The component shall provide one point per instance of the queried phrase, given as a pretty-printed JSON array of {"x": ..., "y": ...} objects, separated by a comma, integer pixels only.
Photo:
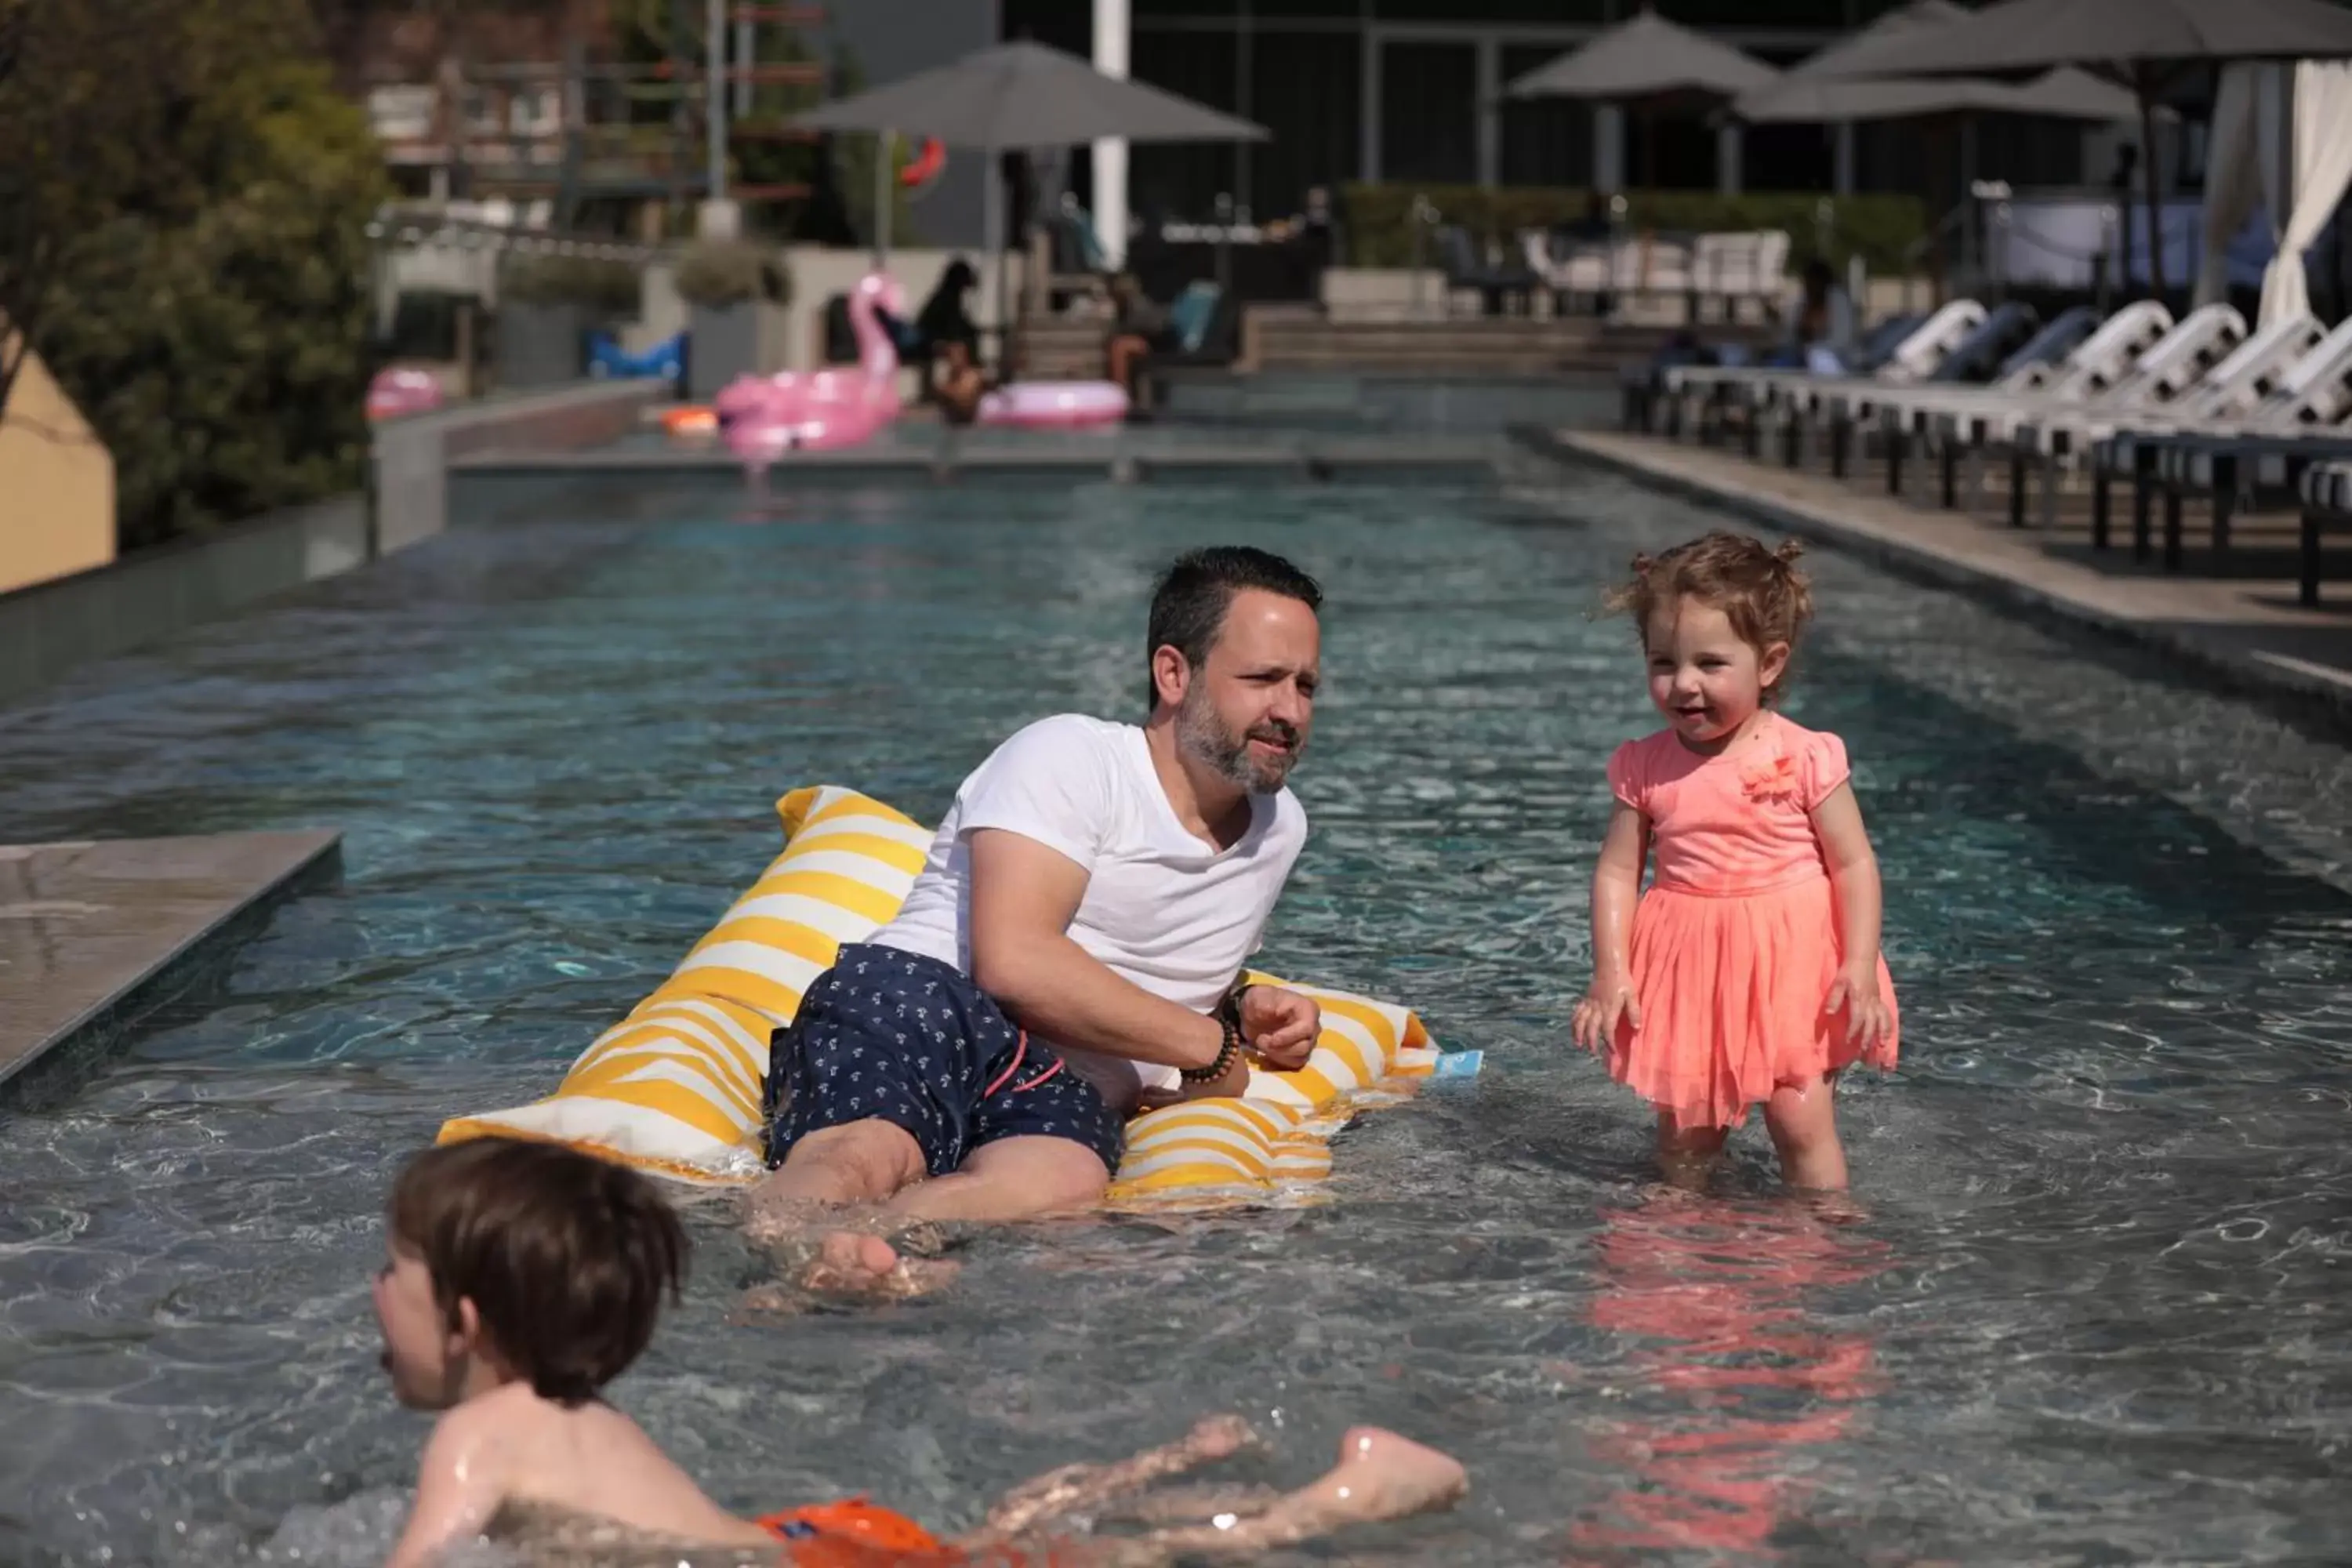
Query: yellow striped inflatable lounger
[{"x": 674, "y": 1088}]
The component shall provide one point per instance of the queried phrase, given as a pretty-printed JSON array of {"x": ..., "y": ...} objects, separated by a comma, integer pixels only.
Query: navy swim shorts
[{"x": 894, "y": 1035}]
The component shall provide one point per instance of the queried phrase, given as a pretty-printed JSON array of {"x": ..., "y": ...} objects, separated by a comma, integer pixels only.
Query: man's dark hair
[
  {"x": 566, "y": 1257},
  {"x": 1187, "y": 607}
]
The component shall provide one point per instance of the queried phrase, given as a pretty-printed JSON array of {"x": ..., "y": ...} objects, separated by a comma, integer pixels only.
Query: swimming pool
[{"x": 2097, "y": 1311}]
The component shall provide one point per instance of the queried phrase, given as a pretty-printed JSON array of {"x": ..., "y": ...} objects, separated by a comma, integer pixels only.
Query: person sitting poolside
[
  {"x": 1821, "y": 325},
  {"x": 957, "y": 384},
  {"x": 1141, "y": 327},
  {"x": 522, "y": 1278},
  {"x": 942, "y": 320}
]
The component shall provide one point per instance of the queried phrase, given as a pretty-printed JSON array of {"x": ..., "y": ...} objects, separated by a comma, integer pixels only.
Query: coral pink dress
[{"x": 1736, "y": 942}]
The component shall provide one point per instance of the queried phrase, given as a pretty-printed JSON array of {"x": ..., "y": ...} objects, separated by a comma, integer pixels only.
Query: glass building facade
[{"x": 1409, "y": 92}]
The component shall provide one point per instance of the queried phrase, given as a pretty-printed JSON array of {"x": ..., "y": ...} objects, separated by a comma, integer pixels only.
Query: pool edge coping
[
  {"x": 2313, "y": 696},
  {"x": 312, "y": 858}
]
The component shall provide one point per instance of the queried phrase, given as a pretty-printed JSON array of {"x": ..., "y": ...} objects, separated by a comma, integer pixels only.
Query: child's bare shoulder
[{"x": 491, "y": 1433}]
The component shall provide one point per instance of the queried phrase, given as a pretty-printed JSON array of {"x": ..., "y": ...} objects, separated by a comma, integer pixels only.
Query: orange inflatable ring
[
  {"x": 862, "y": 1527},
  {"x": 690, "y": 420}
]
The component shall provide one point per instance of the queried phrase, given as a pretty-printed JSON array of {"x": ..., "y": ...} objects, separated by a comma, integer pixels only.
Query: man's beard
[{"x": 1204, "y": 738}]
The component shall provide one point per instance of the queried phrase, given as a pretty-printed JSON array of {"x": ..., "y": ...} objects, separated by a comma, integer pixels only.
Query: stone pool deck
[
  {"x": 2248, "y": 631},
  {"x": 93, "y": 933}
]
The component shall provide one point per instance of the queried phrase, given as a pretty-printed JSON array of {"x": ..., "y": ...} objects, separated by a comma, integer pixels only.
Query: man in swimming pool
[{"x": 1071, "y": 949}]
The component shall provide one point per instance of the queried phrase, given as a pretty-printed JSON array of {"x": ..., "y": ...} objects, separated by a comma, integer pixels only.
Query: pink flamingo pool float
[{"x": 765, "y": 418}]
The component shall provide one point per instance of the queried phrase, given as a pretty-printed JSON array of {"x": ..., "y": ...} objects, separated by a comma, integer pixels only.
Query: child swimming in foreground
[
  {"x": 520, "y": 1279},
  {"x": 1750, "y": 970}
]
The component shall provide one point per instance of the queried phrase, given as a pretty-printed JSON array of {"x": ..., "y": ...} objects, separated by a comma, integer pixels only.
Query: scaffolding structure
[{"x": 569, "y": 126}]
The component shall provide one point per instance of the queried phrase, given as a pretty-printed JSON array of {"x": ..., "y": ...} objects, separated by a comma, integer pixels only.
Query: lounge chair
[
  {"x": 1976, "y": 356},
  {"x": 1912, "y": 359},
  {"x": 1798, "y": 396},
  {"x": 1584, "y": 272},
  {"x": 2305, "y": 419},
  {"x": 1464, "y": 269},
  {"x": 1949, "y": 420},
  {"x": 1730, "y": 269},
  {"x": 2326, "y": 496},
  {"x": 2049, "y": 430}
]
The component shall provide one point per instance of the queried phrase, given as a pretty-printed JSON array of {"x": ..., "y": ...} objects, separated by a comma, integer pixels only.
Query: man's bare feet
[
  {"x": 841, "y": 1264},
  {"x": 851, "y": 1262}
]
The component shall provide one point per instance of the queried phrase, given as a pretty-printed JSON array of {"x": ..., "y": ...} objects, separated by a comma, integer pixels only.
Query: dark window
[
  {"x": 1539, "y": 13},
  {"x": 1668, "y": 149},
  {"x": 1183, "y": 179},
  {"x": 1307, "y": 89},
  {"x": 1547, "y": 141},
  {"x": 1750, "y": 14},
  {"x": 2029, "y": 152},
  {"x": 1429, "y": 113},
  {"x": 1068, "y": 24}
]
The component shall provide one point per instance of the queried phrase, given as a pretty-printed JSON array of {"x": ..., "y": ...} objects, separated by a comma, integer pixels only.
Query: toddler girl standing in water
[{"x": 1750, "y": 970}]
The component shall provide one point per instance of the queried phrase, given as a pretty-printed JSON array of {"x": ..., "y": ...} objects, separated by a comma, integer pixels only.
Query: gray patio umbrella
[
  {"x": 2143, "y": 44},
  {"x": 2063, "y": 94},
  {"x": 1646, "y": 60},
  {"x": 1022, "y": 96},
  {"x": 2071, "y": 93},
  {"x": 1025, "y": 94},
  {"x": 1800, "y": 100},
  {"x": 1902, "y": 19},
  {"x": 1646, "y": 56},
  {"x": 1942, "y": 102}
]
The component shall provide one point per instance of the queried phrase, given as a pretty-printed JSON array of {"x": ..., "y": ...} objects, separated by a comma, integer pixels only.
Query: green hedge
[
  {"x": 1878, "y": 229},
  {"x": 605, "y": 287},
  {"x": 716, "y": 274}
]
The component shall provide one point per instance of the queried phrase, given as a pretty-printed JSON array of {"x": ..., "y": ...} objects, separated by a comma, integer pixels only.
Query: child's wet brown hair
[{"x": 566, "y": 1257}]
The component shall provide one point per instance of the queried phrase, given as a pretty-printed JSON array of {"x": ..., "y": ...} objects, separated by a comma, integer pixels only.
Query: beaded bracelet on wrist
[{"x": 1226, "y": 1053}]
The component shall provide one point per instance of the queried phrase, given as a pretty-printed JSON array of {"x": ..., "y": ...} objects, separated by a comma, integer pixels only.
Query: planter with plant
[
  {"x": 547, "y": 307},
  {"x": 735, "y": 293}
]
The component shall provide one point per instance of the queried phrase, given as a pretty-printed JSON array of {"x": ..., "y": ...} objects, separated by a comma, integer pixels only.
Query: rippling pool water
[{"x": 2097, "y": 1311}]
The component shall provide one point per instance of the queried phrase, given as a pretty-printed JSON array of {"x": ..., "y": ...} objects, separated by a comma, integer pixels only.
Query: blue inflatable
[{"x": 665, "y": 360}]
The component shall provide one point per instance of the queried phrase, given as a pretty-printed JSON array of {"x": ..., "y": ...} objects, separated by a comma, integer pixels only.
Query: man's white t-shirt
[{"x": 1162, "y": 909}]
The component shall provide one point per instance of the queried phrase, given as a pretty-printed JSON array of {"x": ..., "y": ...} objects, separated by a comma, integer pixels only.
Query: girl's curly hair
[{"x": 1759, "y": 590}]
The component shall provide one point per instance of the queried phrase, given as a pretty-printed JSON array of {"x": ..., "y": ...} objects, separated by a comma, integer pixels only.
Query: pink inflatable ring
[{"x": 1055, "y": 405}]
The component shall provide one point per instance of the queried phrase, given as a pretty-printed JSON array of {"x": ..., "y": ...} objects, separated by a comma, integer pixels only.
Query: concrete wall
[
  {"x": 661, "y": 313},
  {"x": 412, "y": 456},
  {"x": 48, "y": 629},
  {"x": 56, "y": 484},
  {"x": 1382, "y": 294}
]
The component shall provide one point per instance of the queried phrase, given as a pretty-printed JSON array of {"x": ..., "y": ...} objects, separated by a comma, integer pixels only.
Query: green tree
[{"x": 199, "y": 281}]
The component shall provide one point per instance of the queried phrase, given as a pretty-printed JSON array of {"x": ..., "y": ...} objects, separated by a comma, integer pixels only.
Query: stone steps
[
  {"x": 1058, "y": 350},
  {"x": 1280, "y": 337},
  {"x": 1297, "y": 340}
]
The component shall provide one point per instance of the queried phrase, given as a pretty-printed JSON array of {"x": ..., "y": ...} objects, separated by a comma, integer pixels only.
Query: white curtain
[
  {"x": 2232, "y": 181},
  {"x": 2320, "y": 152}
]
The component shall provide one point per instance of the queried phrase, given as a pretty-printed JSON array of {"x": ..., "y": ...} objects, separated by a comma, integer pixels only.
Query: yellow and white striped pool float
[{"x": 674, "y": 1088}]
